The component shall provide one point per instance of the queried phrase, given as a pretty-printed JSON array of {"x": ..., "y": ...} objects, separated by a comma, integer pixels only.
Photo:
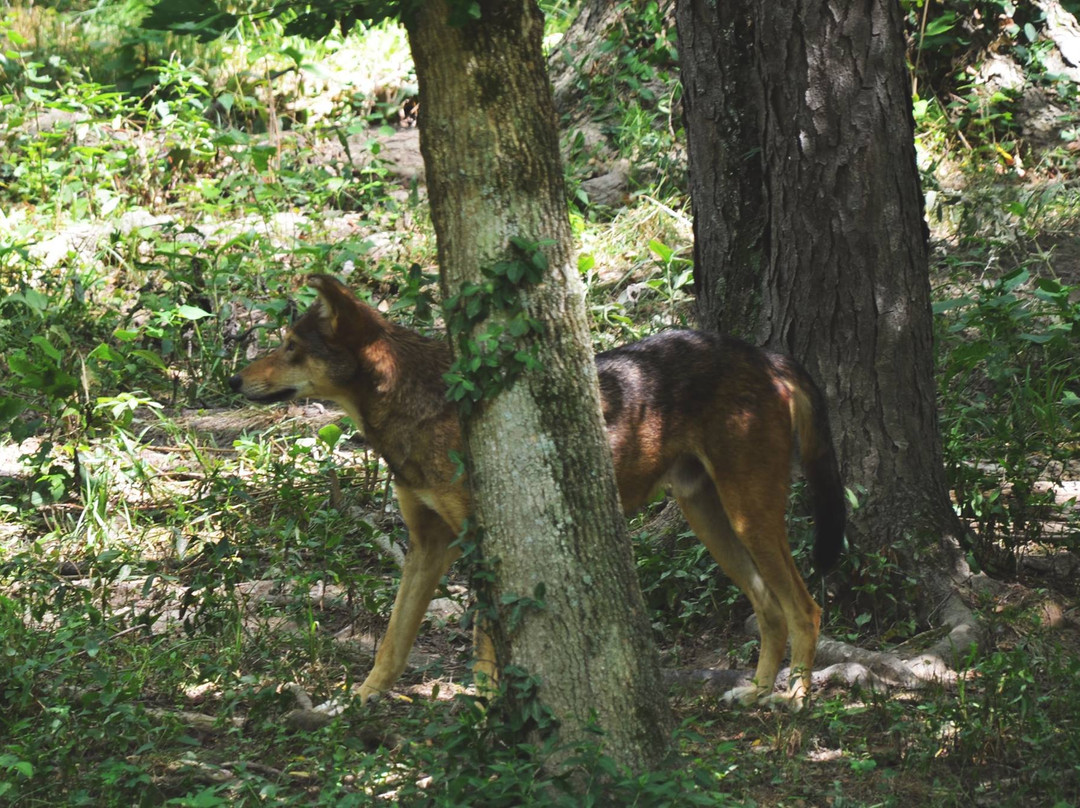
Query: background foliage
[{"x": 169, "y": 564}]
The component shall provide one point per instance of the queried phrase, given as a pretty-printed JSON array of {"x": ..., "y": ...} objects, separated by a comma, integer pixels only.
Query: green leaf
[
  {"x": 230, "y": 137},
  {"x": 474, "y": 307},
  {"x": 330, "y": 435},
  {"x": 1018, "y": 277},
  {"x": 662, "y": 251},
  {"x": 104, "y": 353},
  {"x": 539, "y": 260},
  {"x": 519, "y": 326},
  {"x": 201, "y": 18},
  {"x": 941, "y": 25},
  {"x": 34, "y": 299},
  {"x": 20, "y": 365},
  {"x": 60, "y": 385},
  {"x": 151, "y": 358},
  {"x": 10, "y": 408},
  {"x": 191, "y": 312},
  {"x": 260, "y": 156},
  {"x": 46, "y": 347},
  {"x": 1049, "y": 285},
  {"x": 942, "y": 306},
  {"x": 683, "y": 278}
]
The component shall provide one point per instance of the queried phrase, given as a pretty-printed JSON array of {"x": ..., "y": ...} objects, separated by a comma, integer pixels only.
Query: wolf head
[{"x": 336, "y": 346}]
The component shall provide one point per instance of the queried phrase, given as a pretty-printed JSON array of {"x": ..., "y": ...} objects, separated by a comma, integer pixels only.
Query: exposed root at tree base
[{"x": 931, "y": 658}]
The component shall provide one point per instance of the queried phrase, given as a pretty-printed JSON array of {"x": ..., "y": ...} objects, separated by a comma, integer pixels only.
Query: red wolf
[{"x": 710, "y": 418}]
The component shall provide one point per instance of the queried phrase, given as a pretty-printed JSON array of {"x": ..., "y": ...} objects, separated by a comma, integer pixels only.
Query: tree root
[
  {"x": 179, "y": 775},
  {"x": 372, "y": 725},
  {"x": 308, "y": 717},
  {"x": 931, "y": 658},
  {"x": 934, "y": 656},
  {"x": 1064, "y": 32}
]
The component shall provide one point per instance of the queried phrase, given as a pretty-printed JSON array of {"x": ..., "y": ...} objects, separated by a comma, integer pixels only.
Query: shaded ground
[{"x": 304, "y": 546}]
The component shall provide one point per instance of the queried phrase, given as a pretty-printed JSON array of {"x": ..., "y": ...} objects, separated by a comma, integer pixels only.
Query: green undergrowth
[
  {"x": 165, "y": 553},
  {"x": 103, "y": 732},
  {"x": 1010, "y": 386}
]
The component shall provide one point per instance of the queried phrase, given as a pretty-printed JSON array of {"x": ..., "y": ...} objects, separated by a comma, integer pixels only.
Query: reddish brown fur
[{"x": 710, "y": 418}]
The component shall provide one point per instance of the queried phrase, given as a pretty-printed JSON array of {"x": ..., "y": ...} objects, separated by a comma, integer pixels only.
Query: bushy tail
[{"x": 821, "y": 468}]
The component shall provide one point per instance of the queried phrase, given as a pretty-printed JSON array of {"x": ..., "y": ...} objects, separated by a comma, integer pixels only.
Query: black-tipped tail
[
  {"x": 822, "y": 473},
  {"x": 830, "y": 515}
]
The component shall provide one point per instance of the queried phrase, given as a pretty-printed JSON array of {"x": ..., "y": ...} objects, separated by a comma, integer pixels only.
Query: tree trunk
[
  {"x": 576, "y": 56},
  {"x": 585, "y": 53},
  {"x": 809, "y": 232},
  {"x": 546, "y": 505},
  {"x": 724, "y": 108}
]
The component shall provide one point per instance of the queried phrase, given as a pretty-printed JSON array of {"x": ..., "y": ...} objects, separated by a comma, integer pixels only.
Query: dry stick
[
  {"x": 157, "y": 447},
  {"x": 201, "y": 722},
  {"x": 263, "y": 769},
  {"x": 918, "y": 50}
]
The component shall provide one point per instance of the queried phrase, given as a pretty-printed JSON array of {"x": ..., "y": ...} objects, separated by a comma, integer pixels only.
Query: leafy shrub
[{"x": 1010, "y": 384}]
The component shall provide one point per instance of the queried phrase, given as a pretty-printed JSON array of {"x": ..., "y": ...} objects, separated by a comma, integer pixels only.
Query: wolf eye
[{"x": 290, "y": 346}]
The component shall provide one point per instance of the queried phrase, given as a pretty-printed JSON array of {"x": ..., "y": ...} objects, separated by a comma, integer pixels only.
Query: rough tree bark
[
  {"x": 809, "y": 238},
  {"x": 581, "y": 53},
  {"x": 541, "y": 470}
]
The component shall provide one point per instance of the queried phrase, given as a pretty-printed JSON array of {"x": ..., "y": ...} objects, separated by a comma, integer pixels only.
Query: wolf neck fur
[{"x": 381, "y": 393}]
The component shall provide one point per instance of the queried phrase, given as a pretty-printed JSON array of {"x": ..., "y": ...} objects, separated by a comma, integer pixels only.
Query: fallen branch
[
  {"x": 721, "y": 680},
  {"x": 308, "y": 717},
  {"x": 388, "y": 546},
  {"x": 1062, "y": 29},
  {"x": 198, "y": 722}
]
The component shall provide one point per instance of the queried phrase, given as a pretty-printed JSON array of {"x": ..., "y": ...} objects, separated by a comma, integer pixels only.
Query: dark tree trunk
[
  {"x": 809, "y": 232},
  {"x": 541, "y": 469},
  {"x": 724, "y": 108}
]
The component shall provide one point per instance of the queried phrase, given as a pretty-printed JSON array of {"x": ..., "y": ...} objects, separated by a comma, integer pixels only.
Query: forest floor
[{"x": 178, "y": 569}]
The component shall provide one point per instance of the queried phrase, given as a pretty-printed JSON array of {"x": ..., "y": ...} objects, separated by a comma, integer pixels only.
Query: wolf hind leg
[
  {"x": 705, "y": 513},
  {"x": 755, "y": 510}
]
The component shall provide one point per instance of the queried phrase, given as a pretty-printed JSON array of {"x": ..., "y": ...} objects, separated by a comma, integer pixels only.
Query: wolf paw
[
  {"x": 366, "y": 693},
  {"x": 793, "y": 700},
  {"x": 749, "y": 696},
  {"x": 744, "y": 696}
]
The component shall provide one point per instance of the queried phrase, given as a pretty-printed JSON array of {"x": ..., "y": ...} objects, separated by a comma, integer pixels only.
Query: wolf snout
[{"x": 235, "y": 383}]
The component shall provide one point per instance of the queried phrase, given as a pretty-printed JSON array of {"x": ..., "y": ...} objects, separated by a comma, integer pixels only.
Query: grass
[{"x": 169, "y": 563}]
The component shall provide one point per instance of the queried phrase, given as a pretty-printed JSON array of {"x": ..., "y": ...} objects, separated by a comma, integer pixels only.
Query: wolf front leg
[{"x": 429, "y": 557}]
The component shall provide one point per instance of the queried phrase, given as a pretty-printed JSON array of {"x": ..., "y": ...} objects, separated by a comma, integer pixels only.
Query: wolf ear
[{"x": 342, "y": 312}]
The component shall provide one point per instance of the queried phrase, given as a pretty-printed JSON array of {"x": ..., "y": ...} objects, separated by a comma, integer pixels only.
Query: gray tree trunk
[
  {"x": 581, "y": 51},
  {"x": 809, "y": 232},
  {"x": 541, "y": 469}
]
